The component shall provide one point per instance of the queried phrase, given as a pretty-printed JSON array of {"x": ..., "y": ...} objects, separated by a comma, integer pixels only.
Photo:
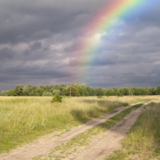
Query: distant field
[{"x": 23, "y": 119}]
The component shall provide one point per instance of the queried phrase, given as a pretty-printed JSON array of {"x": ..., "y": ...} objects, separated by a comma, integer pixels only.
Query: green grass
[
  {"x": 23, "y": 119},
  {"x": 85, "y": 138},
  {"x": 143, "y": 140}
]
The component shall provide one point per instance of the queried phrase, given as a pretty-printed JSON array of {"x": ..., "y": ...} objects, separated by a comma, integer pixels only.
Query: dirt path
[
  {"x": 111, "y": 141},
  {"x": 44, "y": 145}
]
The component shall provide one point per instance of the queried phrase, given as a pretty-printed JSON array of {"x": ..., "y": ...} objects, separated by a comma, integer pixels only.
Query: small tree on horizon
[{"x": 57, "y": 98}]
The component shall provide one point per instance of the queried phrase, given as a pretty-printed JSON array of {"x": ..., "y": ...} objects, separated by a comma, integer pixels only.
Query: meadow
[{"x": 23, "y": 119}]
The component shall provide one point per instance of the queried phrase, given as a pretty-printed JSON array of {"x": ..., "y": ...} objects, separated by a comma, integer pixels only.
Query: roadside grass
[
  {"x": 143, "y": 140},
  {"x": 23, "y": 119},
  {"x": 85, "y": 138}
]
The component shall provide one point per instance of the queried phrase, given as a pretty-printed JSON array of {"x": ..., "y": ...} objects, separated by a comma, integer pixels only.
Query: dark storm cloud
[
  {"x": 126, "y": 76},
  {"x": 28, "y": 20},
  {"x": 39, "y": 43},
  {"x": 6, "y": 54},
  {"x": 38, "y": 72},
  {"x": 36, "y": 45}
]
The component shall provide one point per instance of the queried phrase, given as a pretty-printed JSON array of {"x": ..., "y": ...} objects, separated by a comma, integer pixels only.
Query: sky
[{"x": 40, "y": 45}]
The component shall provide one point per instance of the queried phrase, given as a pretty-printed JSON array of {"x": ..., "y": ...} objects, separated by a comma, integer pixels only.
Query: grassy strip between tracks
[
  {"x": 85, "y": 138},
  {"x": 143, "y": 140}
]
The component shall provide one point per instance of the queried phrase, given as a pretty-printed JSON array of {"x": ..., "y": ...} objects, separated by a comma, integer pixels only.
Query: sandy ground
[
  {"x": 96, "y": 151},
  {"x": 111, "y": 141}
]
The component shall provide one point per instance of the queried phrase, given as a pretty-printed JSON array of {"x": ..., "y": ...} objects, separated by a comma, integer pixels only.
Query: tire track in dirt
[
  {"x": 43, "y": 146},
  {"x": 112, "y": 140}
]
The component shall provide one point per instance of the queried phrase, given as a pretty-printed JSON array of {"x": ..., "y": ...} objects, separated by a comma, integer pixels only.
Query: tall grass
[
  {"x": 23, "y": 119},
  {"x": 143, "y": 140}
]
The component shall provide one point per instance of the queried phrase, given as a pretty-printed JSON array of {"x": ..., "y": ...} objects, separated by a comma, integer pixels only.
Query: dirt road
[
  {"x": 112, "y": 140},
  {"x": 45, "y": 144}
]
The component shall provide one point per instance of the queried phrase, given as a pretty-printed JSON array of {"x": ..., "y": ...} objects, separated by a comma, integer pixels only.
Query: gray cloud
[
  {"x": 39, "y": 45},
  {"x": 6, "y": 54}
]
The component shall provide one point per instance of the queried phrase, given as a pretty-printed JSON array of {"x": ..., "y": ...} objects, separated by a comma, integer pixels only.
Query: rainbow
[{"x": 101, "y": 24}]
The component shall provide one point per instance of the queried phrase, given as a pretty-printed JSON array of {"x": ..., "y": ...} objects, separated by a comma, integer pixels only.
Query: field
[{"x": 24, "y": 119}]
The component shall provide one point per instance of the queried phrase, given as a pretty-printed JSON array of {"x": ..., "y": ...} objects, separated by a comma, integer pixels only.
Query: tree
[
  {"x": 57, "y": 98},
  {"x": 99, "y": 91},
  {"x": 152, "y": 91},
  {"x": 125, "y": 91},
  {"x": 71, "y": 90},
  {"x": 3, "y": 93},
  {"x": 110, "y": 92},
  {"x": 47, "y": 94},
  {"x": 18, "y": 91},
  {"x": 55, "y": 91},
  {"x": 84, "y": 91},
  {"x": 158, "y": 90}
]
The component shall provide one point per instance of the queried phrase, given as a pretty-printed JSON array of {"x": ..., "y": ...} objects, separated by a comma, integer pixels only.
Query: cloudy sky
[{"x": 40, "y": 44}]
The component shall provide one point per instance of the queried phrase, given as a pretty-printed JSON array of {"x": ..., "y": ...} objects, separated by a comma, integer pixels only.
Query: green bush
[
  {"x": 57, "y": 98},
  {"x": 99, "y": 96}
]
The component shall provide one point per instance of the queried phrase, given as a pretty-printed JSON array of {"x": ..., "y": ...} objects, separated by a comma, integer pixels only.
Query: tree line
[{"x": 77, "y": 90}]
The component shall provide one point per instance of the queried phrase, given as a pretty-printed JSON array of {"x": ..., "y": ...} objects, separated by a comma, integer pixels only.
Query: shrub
[
  {"x": 99, "y": 96},
  {"x": 57, "y": 98}
]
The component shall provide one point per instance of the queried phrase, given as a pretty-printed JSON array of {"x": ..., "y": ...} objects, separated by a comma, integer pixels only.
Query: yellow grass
[{"x": 23, "y": 119}]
